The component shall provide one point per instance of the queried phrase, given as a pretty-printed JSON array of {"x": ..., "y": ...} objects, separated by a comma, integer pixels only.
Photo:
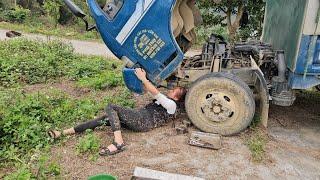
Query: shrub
[
  {"x": 52, "y": 9},
  {"x": 18, "y": 14}
]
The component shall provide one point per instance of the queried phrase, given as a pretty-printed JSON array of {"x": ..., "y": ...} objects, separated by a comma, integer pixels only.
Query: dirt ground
[{"x": 293, "y": 150}]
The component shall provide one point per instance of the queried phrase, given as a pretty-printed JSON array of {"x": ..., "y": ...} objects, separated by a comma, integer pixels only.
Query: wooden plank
[{"x": 148, "y": 174}]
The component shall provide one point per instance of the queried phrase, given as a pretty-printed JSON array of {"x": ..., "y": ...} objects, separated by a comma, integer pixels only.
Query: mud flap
[{"x": 264, "y": 97}]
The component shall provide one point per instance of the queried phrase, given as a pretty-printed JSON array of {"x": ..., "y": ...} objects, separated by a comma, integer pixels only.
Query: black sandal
[
  {"x": 53, "y": 135},
  {"x": 107, "y": 152}
]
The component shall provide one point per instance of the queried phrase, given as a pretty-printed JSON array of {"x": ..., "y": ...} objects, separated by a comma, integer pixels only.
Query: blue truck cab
[{"x": 139, "y": 32}]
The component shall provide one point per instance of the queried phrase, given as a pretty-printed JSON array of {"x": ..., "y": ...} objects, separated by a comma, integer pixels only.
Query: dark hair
[{"x": 181, "y": 94}]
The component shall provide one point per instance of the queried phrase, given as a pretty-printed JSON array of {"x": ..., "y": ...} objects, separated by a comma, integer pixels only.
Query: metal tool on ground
[
  {"x": 206, "y": 140},
  {"x": 182, "y": 130}
]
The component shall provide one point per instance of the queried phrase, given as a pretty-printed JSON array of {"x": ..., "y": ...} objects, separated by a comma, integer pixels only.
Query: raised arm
[
  {"x": 142, "y": 75},
  {"x": 165, "y": 102}
]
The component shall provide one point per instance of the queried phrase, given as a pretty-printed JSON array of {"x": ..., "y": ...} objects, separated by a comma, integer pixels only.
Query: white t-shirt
[{"x": 167, "y": 103}]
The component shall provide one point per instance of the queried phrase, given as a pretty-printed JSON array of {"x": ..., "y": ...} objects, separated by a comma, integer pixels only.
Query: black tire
[
  {"x": 318, "y": 87},
  {"x": 220, "y": 103}
]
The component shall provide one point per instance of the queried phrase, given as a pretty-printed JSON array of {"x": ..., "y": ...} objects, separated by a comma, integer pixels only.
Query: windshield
[{"x": 112, "y": 7}]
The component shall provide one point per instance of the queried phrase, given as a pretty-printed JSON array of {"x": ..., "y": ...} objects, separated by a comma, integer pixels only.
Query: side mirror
[
  {"x": 79, "y": 13},
  {"x": 74, "y": 9}
]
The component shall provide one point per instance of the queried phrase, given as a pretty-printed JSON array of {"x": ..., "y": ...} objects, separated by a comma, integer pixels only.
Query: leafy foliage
[
  {"x": 24, "y": 61},
  {"x": 32, "y": 62},
  {"x": 89, "y": 144},
  {"x": 203, "y": 32},
  {"x": 107, "y": 79},
  {"x": 18, "y": 14},
  {"x": 25, "y": 119},
  {"x": 21, "y": 174},
  {"x": 52, "y": 9},
  {"x": 231, "y": 14}
]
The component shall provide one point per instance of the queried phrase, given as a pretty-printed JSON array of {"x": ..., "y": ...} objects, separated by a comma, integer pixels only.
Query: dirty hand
[{"x": 141, "y": 74}]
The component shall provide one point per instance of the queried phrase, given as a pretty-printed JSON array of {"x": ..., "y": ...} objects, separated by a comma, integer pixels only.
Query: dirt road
[{"x": 81, "y": 47}]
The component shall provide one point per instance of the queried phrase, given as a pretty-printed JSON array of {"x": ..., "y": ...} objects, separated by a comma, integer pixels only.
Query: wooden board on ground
[{"x": 148, "y": 174}]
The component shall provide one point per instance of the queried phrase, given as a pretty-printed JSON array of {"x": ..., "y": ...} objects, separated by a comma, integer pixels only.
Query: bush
[
  {"x": 22, "y": 173},
  {"x": 52, "y": 9},
  {"x": 89, "y": 66},
  {"x": 18, "y": 14}
]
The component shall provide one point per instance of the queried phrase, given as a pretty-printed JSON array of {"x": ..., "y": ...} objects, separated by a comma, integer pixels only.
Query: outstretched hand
[{"x": 141, "y": 74}]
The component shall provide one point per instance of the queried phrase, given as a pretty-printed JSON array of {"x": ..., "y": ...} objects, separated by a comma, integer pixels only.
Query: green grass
[
  {"x": 69, "y": 32},
  {"x": 256, "y": 140},
  {"x": 26, "y": 117},
  {"x": 24, "y": 61},
  {"x": 257, "y": 144},
  {"x": 89, "y": 144}
]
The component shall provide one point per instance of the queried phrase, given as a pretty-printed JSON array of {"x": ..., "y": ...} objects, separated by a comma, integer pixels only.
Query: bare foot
[{"x": 54, "y": 134}]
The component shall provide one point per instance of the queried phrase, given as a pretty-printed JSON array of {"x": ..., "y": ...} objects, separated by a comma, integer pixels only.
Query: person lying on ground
[{"x": 159, "y": 112}]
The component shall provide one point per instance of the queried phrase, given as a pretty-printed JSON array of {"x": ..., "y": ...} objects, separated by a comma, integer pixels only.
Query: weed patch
[
  {"x": 29, "y": 62},
  {"x": 107, "y": 79},
  {"x": 25, "y": 119},
  {"x": 256, "y": 144},
  {"x": 89, "y": 144}
]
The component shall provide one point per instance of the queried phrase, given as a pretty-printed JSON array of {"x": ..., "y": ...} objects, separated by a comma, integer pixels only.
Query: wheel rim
[
  {"x": 220, "y": 103},
  {"x": 217, "y": 106}
]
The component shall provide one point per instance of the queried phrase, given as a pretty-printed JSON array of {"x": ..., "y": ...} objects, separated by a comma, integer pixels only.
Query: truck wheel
[
  {"x": 220, "y": 103},
  {"x": 318, "y": 87}
]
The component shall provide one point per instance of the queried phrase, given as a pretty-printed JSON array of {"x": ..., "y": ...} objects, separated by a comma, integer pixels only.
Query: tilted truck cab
[{"x": 140, "y": 34}]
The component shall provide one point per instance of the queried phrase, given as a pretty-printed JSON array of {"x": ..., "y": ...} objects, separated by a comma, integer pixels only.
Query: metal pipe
[{"x": 282, "y": 66}]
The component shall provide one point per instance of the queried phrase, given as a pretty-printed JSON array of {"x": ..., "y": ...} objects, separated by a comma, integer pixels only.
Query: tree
[{"x": 231, "y": 13}]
